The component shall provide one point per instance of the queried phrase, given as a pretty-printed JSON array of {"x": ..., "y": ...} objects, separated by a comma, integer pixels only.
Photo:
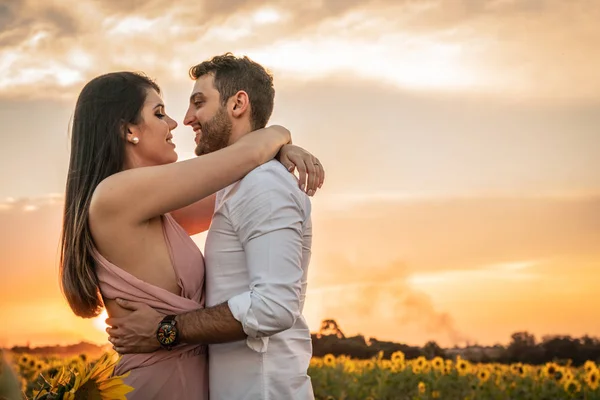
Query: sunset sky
[{"x": 460, "y": 139}]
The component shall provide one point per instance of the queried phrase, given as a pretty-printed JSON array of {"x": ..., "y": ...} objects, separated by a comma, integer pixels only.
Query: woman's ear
[
  {"x": 240, "y": 104},
  {"x": 131, "y": 133}
]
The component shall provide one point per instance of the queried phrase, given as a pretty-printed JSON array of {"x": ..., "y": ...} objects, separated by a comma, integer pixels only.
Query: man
[{"x": 257, "y": 254}]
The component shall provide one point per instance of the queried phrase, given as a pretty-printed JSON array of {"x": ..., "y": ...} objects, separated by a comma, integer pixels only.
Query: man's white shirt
[{"x": 257, "y": 253}]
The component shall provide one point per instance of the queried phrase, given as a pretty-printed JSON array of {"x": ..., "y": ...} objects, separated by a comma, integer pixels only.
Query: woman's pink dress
[{"x": 182, "y": 372}]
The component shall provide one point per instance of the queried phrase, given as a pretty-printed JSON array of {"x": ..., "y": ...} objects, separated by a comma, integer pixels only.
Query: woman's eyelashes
[{"x": 160, "y": 116}]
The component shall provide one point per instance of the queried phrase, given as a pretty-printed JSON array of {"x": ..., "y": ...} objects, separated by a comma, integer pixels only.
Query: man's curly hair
[{"x": 233, "y": 74}]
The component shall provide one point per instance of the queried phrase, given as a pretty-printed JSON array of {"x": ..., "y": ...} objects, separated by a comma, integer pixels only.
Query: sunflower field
[{"x": 339, "y": 378}]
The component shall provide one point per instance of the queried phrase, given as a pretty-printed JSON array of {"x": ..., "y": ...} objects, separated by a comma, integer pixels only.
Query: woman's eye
[{"x": 161, "y": 116}]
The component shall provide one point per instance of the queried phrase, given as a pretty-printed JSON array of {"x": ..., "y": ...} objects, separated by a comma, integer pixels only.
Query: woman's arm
[
  {"x": 196, "y": 217},
  {"x": 139, "y": 194}
]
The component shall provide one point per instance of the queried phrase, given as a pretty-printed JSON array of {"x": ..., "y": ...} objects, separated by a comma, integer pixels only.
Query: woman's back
[
  {"x": 182, "y": 372},
  {"x": 139, "y": 249}
]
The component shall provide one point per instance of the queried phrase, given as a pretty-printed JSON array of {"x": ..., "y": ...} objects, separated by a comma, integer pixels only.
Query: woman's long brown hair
[{"x": 104, "y": 107}]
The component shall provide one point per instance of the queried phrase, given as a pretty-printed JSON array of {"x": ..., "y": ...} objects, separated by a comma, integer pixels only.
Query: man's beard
[{"x": 215, "y": 133}]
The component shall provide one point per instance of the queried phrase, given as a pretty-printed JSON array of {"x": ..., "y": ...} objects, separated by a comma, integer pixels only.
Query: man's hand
[{"x": 136, "y": 332}]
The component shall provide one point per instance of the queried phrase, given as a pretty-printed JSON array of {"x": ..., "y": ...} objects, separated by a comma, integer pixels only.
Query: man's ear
[{"x": 240, "y": 104}]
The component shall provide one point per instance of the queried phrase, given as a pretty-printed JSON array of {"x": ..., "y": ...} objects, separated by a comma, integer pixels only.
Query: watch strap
[{"x": 168, "y": 319}]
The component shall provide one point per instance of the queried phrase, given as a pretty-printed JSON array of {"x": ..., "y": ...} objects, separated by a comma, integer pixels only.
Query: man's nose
[{"x": 189, "y": 117}]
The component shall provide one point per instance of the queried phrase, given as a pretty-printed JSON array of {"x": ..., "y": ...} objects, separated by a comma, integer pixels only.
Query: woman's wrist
[{"x": 286, "y": 134}]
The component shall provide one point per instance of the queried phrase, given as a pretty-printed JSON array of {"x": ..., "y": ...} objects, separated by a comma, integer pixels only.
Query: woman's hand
[{"x": 294, "y": 157}]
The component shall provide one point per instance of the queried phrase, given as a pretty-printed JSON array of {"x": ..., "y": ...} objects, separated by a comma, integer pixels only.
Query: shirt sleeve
[{"x": 268, "y": 216}]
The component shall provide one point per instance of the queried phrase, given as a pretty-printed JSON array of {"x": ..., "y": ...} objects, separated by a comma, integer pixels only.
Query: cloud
[
  {"x": 516, "y": 49},
  {"x": 508, "y": 272},
  {"x": 23, "y": 20},
  {"x": 377, "y": 301}
]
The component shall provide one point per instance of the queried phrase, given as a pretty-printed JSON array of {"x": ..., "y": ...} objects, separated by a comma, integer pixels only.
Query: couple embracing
[{"x": 224, "y": 325}]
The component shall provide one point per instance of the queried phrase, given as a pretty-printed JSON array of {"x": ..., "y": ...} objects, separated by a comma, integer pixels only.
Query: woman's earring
[{"x": 135, "y": 140}]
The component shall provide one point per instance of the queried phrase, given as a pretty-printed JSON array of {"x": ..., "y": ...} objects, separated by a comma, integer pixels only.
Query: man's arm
[
  {"x": 209, "y": 325},
  {"x": 136, "y": 332},
  {"x": 196, "y": 217}
]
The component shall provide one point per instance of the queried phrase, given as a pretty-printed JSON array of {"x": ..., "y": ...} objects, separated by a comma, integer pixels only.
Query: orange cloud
[{"x": 499, "y": 47}]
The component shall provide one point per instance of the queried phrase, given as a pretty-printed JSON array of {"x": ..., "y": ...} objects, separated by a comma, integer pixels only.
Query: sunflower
[
  {"x": 426, "y": 367},
  {"x": 416, "y": 369},
  {"x": 572, "y": 386},
  {"x": 421, "y": 361},
  {"x": 437, "y": 363},
  {"x": 435, "y": 394},
  {"x": 558, "y": 375},
  {"x": 462, "y": 366},
  {"x": 483, "y": 374},
  {"x": 517, "y": 369},
  {"x": 524, "y": 370},
  {"x": 567, "y": 375},
  {"x": 97, "y": 383},
  {"x": 422, "y": 387},
  {"x": 592, "y": 378},
  {"x": 398, "y": 366},
  {"x": 329, "y": 360},
  {"x": 550, "y": 369},
  {"x": 589, "y": 366},
  {"x": 316, "y": 362},
  {"x": 397, "y": 357}
]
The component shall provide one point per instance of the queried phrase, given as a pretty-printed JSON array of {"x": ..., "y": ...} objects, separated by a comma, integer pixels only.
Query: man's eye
[{"x": 198, "y": 103}]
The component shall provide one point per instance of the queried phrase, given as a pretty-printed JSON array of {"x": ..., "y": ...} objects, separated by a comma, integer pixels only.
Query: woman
[{"x": 119, "y": 238}]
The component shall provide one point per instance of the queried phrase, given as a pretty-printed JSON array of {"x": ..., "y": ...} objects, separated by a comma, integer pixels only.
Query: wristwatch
[{"x": 167, "y": 333}]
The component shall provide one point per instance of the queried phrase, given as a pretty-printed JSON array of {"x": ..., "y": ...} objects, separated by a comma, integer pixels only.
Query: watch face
[{"x": 167, "y": 334}]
